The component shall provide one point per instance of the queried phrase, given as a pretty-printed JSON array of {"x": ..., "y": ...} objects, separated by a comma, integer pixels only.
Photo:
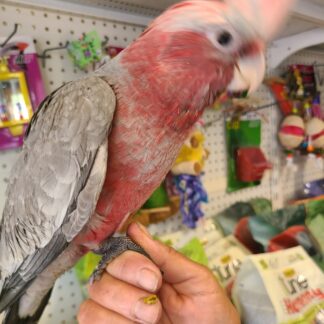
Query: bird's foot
[{"x": 111, "y": 249}]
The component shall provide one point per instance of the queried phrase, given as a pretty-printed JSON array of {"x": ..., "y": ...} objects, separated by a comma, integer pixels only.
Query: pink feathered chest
[
  {"x": 139, "y": 158},
  {"x": 160, "y": 99}
]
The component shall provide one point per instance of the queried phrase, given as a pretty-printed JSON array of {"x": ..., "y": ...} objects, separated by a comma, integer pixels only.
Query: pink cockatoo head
[{"x": 235, "y": 32}]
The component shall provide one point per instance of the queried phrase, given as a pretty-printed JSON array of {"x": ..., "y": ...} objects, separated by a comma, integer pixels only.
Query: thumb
[{"x": 176, "y": 267}]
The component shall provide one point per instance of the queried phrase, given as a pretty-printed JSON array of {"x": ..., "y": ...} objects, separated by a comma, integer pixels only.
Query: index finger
[{"x": 176, "y": 268}]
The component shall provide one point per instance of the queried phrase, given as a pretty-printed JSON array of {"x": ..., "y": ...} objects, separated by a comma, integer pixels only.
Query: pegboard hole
[
  {"x": 93, "y": 23},
  {"x": 4, "y": 23},
  {"x": 48, "y": 43},
  {"x": 46, "y": 29},
  {"x": 71, "y": 19},
  {"x": 58, "y": 17},
  {"x": 82, "y": 21},
  {"x": 18, "y": 10},
  {"x": 59, "y": 30},
  {"x": 3, "y": 8},
  {"x": 72, "y": 32},
  {"x": 45, "y": 15}
]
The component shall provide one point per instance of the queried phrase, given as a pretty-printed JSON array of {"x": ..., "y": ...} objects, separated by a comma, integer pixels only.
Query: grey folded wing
[{"x": 44, "y": 209}]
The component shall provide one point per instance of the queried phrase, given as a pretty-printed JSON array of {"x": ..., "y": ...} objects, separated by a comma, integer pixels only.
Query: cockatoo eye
[{"x": 224, "y": 38}]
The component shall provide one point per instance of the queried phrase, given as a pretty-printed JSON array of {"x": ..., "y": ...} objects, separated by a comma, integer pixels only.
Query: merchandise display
[
  {"x": 187, "y": 171},
  {"x": 287, "y": 285},
  {"x": 299, "y": 98},
  {"x": 112, "y": 122},
  {"x": 245, "y": 160},
  {"x": 86, "y": 50},
  {"x": 22, "y": 89}
]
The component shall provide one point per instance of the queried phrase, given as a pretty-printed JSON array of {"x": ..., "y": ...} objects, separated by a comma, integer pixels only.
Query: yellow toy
[{"x": 192, "y": 156}]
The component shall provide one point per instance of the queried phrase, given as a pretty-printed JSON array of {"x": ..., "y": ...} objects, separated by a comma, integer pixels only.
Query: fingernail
[
  {"x": 143, "y": 229},
  {"x": 144, "y": 311},
  {"x": 148, "y": 279}
]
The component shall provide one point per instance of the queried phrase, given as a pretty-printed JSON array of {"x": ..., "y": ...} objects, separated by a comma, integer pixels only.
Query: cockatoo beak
[
  {"x": 248, "y": 73},
  {"x": 260, "y": 21}
]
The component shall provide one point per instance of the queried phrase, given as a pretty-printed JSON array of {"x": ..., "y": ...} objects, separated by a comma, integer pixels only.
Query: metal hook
[
  {"x": 253, "y": 109},
  {"x": 10, "y": 36},
  {"x": 105, "y": 42},
  {"x": 44, "y": 55}
]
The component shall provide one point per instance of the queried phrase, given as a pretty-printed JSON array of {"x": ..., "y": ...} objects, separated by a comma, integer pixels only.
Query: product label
[
  {"x": 294, "y": 283},
  {"x": 225, "y": 259}
]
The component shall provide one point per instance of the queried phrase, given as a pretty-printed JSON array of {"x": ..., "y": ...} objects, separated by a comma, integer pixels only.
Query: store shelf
[
  {"x": 311, "y": 10},
  {"x": 285, "y": 47},
  {"x": 304, "y": 29}
]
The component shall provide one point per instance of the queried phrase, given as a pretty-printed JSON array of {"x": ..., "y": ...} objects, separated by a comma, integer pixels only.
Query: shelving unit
[{"x": 52, "y": 22}]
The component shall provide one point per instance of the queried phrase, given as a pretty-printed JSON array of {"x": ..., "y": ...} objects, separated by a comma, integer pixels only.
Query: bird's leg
[{"x": 111, "y": 249}]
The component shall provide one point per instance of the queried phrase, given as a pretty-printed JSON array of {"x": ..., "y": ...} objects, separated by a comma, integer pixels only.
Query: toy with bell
[
  {"x": 291, "y": 135},
  {"x": 299, "y": 82}
]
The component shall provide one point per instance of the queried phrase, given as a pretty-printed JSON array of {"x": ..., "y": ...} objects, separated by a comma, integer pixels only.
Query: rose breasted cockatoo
[{"x": 97, "y": 148}]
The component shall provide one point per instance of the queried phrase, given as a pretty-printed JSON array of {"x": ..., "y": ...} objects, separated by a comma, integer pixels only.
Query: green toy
[
  {"x": 159, "y": 198},
  {"x": 86, "y": 50}
]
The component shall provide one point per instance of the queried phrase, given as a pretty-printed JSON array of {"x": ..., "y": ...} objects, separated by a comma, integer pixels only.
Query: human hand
[{"x": 187, "y": 292}]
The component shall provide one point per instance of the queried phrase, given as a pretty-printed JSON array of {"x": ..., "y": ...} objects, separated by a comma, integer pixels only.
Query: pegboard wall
[{"x": 52, "y": 28}]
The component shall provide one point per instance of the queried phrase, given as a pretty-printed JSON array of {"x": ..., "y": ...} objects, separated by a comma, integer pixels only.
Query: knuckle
[
  {"x": 121, "y": 265},
  {"x": 168, "y": 254}
]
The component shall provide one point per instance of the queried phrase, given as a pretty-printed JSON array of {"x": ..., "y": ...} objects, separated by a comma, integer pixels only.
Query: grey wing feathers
[{"x": 55, "y": 163}]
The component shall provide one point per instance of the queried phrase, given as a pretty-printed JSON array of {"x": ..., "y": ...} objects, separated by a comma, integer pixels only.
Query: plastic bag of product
[
  {"x": 284, "y": 287},
  {"x": 225, "y": 259},
  {"x": 195, "y": 243},
  {"x": 315, "y": 222}
]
